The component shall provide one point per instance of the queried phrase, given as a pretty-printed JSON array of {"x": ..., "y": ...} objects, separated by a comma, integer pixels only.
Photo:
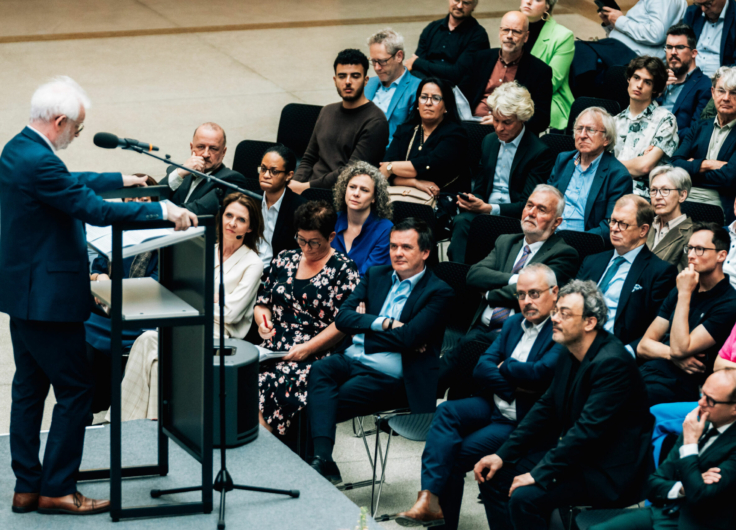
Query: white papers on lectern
[
  {"x": 265, "y": 354},
  {"x": 138, "y": 241}
]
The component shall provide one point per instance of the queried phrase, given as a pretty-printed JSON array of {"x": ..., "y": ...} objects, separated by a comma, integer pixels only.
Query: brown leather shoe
[
  {"x": 420, "y": 514},
  {"x": 25, "y": 502},
  {"x": 74, "y": 504}
]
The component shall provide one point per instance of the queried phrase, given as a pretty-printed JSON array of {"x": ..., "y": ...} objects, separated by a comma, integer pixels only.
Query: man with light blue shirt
[
  {"x": 394, "y": 89},
  {"x": 714, "y": 24},
  {"x": 395, "y": 322}
]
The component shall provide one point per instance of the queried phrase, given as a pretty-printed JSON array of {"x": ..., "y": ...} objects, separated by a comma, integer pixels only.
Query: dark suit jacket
[
  {"x": 534, "y": 374},
  {"x": 599, "y": 420},
  {"x": 532, "y": 73},
  {"x": 695, "y": 18},
  {"x": 424, "y": 319},
  {"x": 284, "y": 232},
  {"x": 207, "y": 196},
  {"x": 704, "y": 506},
  {"x": 693, "y": 98},
  {"x": 612, "y": 181},
  {"x": 670, "y": 247},
  {"x": 44, "y": 271},
  {"x": 647, "y": 284},
  {"x": 493, "y": 272},
  {"x": 532, "y": 165},
  {"x": 695, "y": 145}
]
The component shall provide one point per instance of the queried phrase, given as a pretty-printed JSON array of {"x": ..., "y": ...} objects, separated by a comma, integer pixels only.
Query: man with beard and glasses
[
  {"x": 351, "y": 131},
  {"x": 497, "y": 274},
  {"x": 688, "y": 89}
]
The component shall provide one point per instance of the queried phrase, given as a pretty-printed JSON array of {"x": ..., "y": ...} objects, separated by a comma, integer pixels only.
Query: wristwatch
[{"x": 390, "y": 167}]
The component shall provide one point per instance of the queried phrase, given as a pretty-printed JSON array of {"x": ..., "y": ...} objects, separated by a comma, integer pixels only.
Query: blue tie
[{"x": 610, "y": 273}]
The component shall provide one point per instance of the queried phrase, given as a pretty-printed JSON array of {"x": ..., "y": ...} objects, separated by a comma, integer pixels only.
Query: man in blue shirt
[
  {"x": 395, "y": 323},
  {"x": 394, "y": 90},
  {"x": 714, "y": 24}
]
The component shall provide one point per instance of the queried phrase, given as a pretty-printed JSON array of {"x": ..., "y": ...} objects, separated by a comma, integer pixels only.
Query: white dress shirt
[
  {"x": 709, "y": 44},
  {"x": 270, "y": 216},
  {"x": 502, "y": 174}
]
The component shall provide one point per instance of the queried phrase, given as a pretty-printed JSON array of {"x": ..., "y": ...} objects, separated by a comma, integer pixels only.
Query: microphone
[{"x": 110, "y": 141}]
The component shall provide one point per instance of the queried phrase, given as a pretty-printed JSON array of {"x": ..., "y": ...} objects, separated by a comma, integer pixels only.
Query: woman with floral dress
[{"x": 296, "y": 309}]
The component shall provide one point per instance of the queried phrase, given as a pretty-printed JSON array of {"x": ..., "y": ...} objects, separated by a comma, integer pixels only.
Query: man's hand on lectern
[
  {"x": 132, "y": 180},
  {"x": 181, "y": 217}
]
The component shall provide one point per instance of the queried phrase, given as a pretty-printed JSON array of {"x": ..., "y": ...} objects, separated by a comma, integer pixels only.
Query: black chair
[
  {"x": 484, "y": 230},
  {"x": 616, "y": 86},
  {"x": 468, "y": 358},
  {"x": 296, "y": 125},
  {"x": 248, "y": 156},
  {"x": 583, "y": 103},
  {"x": 559, "y": 143},
  {"x": 586, "y": 244},
  {"x": 253, "y": 185},
  {"x": 703, "y": 213},
  {"x": 402, "y": 210},
  {"x": 318, "y": 194},
  {"x": 476, "y": 134},
  {"x": 462, "y": 308}
]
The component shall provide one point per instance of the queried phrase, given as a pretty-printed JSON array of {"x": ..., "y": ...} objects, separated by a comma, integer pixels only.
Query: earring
[{"x": 546, "y": 16}]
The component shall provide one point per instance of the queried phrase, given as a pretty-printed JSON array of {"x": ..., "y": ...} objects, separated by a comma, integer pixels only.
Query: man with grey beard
[{"x": 496, "y": 275}]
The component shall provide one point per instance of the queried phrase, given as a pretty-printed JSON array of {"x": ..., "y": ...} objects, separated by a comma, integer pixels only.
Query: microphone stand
[{"x": 224, "y": 481}]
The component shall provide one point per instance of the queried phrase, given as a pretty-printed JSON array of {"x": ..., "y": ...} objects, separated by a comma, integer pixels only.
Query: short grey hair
[
  {"x": 609, "y": 124},
  {"x": 541, "y": 268},
  {"x": 391, "y": 40},
  {"x": 594, "y": 305},
  {"x": 61, "y": 95},
  {"x": 512, "y": 99},
  {"x": 728, "y": 74},
  {"x": 382, "y": 207},
  {"x": 546, "y": 188},
  {"x": 679, "y": 177}
]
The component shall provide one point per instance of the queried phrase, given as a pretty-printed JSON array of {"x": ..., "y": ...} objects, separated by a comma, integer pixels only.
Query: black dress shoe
[{"x": 329, "y": 470}]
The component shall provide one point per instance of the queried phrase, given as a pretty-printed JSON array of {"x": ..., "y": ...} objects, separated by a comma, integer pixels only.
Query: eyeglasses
[
  {"x": 509, "y": 31},
  {"x": 664, "y": 192},
  {"x": 425, "y": 98},
  {"x": 699, "y": 251},
  {"x": 313, "y": 245},
  {"x": 679, "y": 47},
  {"x": 274, "y": 172},
  {"x": 580, "y": 130},
  {"x": 707, "y": 3},
  {"x": 533, "y": 294},
  {"x": 621, "y": 225},
  {"x": 78, "y": 128},
  {"x": 564, "y": 315},
  {"x": 381, "y": 62},
  {"x": 712, "y": 402}
]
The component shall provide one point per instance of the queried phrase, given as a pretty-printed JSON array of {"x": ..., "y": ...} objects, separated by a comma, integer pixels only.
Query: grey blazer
[{"x": 670, "y": 247}]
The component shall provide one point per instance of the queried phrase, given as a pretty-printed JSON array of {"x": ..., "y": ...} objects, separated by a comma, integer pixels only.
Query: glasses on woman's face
[
  {"x": 434, "y": 98},
  {"x": 533, "y": 294},
  {"x": 699, "y": 251},
  {"x": 314, "y": 244},
  {"x": 262, "y": 170},
  {"x": 664, "y": 192}
]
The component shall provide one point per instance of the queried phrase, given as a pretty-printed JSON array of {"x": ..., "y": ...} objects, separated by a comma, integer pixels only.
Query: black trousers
[
  {"x": 341, "y": 389},
  {"x": 649, "y": 518},
  {"x": 665, "y": 385},
  {"x": 48, "y": 354},
  {"x": 459, "y": 239},
  {"x": 454, "y": 373}
]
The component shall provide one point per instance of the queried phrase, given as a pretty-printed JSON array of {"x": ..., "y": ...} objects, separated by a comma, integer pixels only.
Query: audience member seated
[
  {"x": 688, "y": 89},
  {"x": 669, "y": 187},
  {"x": 486, "y": 70},
  {"x": 634, "y": 282},
  {"x": 243, "y": 226},
  {"x": 514, "y": 161},
  {"x": 196, "y": 194},
  {"x": 594, "y": 415},
  {"x": 350, "y": 131},
  {"x": 508, "y": 380},
  {"x": 682, "y": 343},
  {"x": 395, "y": 320},
  {"x": 428, "y": 150},
  {"x": 693, "y": 488},
  {"x": 278, "y": 204},
  {"x": 708, "y": 151},
  {"x": 393, "y": 90},
  {"x": 554, "y": 44},
  {"x": 714, "y": 23},
  {"x": 444, "y": 42},
  {"x": 590, "y": 177},
  {"x": 642, "y": 31},
  {"x": 363, "y": 225},
  {"x": 729, "y": 266},
  {"x": 496, "y": 275},
  {"x": 301, "y": 293},
  {"x": 727, "y": 356},
  {"x": 646, "y": 134}
]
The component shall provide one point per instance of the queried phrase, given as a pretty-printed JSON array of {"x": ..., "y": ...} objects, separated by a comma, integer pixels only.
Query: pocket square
[{"x": 637, "y": 287}]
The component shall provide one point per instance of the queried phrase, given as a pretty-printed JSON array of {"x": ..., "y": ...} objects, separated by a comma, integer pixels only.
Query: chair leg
[
  {"x": 384, "y": 461},
  {"x": 375, "y": 463},
  {"x": 363, "y": 435}
]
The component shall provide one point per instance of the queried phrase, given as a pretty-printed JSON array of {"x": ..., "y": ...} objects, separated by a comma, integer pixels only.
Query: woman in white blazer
[{"x": 243, "y": 228}]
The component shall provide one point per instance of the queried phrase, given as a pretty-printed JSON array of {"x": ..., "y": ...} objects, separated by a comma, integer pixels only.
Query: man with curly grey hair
[{"x": 595, "y": 411}]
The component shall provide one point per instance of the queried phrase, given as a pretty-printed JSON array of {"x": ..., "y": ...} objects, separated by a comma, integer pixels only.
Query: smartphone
[
  {"x": 607, "y": 3},
  {"x": 464, "y": 197}
]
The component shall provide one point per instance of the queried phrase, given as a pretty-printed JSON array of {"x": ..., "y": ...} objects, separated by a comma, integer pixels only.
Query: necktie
[
  {"x": 712, "y": 432},
  {"x": 610, "y": 273},
  {"x": 500, "y": 314}
]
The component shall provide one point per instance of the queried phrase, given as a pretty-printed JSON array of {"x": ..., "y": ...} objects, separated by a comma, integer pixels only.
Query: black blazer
[
  {"x": 493, "y": 272},
  {"x": 284, "y": 232},
  {"x": 704, "y": 506},
  {"x": 532, "y": 73},
  {"x": 649, "y": 281},
  {"x": 599, "y": 420},
  {"x": 207, "y": 196},
  {"x": 532, "y": 165},
  {"x": 423, "y": 317},
  {"x": 443, "y": 155}
]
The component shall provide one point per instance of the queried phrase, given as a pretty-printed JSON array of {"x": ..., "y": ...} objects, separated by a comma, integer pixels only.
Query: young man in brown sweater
[{"x": 350, "y": 131}]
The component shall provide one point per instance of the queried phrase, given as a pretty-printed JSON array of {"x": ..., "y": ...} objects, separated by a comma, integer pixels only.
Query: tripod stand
[{"x": 223, "y": 481}]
